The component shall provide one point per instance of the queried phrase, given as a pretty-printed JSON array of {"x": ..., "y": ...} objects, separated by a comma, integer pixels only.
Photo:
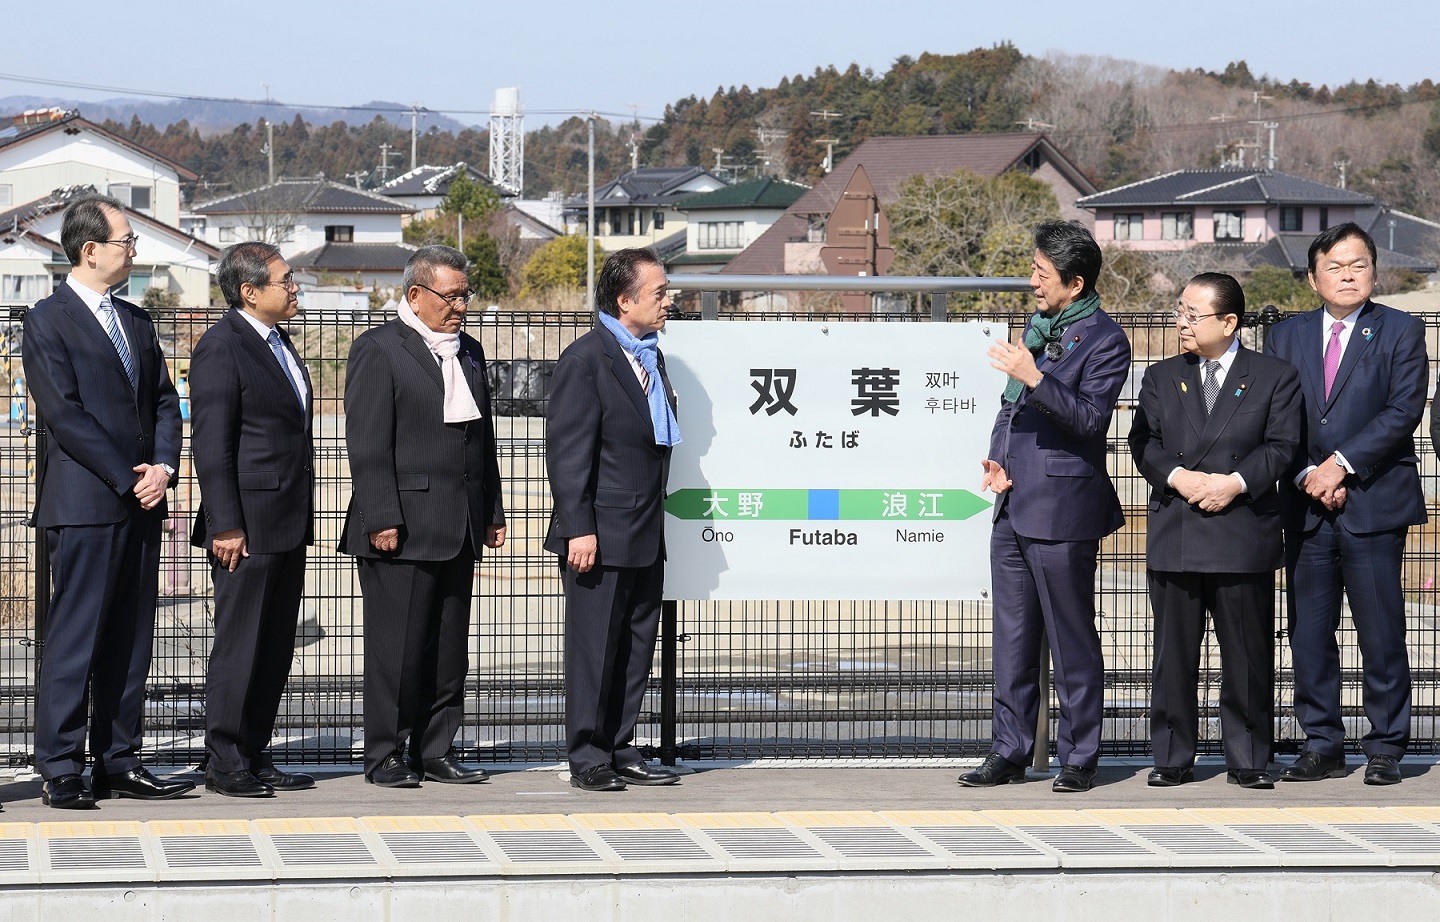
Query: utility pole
[
  {"x": 1342, "y": 165},
  {"x": 414, "y": 133},
  {"x": 826, "y": 115},
  {"x": 767, "y": 138},
  {"x": 386, "y": 152},
  {"x": 270, "y": 149},
  {"x": 719, "y": 161},
  {"x": 1260, "y": 124},
  {"x": 357, "y": 176},
  {"x": 590, "y": 218}
]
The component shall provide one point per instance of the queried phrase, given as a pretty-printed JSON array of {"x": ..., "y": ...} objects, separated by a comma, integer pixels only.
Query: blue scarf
[{"x": 646, "y": 350}]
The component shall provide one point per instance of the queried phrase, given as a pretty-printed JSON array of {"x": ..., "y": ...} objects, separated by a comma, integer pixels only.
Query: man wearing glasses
[
  {"x": 250, "y": 437},
  {"x": 1350, "y": 497},
  {"x": 426, "y": 499},
  {"x": 112, "y": 419}
]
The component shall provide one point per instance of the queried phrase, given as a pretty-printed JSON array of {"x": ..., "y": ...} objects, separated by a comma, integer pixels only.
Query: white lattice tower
[{"x": 507, "y": 141}]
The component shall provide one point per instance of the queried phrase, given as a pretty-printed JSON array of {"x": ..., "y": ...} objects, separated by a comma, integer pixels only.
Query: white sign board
[{"x": 830, "y": 460}]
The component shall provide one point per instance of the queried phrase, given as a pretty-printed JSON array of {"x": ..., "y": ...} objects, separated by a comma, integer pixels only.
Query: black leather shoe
[
  {"x": 1312, "y": 766},
  {"x": 449, "y": 770},
  {"x": 1257, "y": 779},
  {"x": 393, "y": 773},
  {"x": 996, "y": 769},
  {"x": 1382, "y": 770},
  {"x": 236, "y": 784},
  {"x": 1073, "y": 779},
  {"x": 139, "y": 784},
  {"x": 1169, "y": 777},
  {"x": 640, "y": 773},
  {"x": 599, "y": 778},
  {"x": 283, "y": 781},
  {"x": 67, "y": 792}
]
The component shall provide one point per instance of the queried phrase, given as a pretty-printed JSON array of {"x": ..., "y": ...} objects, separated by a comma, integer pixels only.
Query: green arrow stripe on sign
[{"x": 913, "y": 505}]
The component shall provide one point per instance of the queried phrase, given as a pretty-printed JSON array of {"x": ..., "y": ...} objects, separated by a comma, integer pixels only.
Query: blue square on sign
[{"x": 824, "y": 504}]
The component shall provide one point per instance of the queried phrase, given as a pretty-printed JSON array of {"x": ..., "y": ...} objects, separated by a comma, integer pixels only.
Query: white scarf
[{"x": 460, "y": 406}]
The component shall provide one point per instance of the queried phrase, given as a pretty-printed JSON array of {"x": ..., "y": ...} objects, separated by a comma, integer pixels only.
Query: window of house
[
  {"x": 1229, "y": 225},
  {"x": 285, "y": 233},
  {"x": 659, "y": 220},
  {"x": 7, "y": 195},
  {"x": 1129, "y": 227},
  {"x": 339, "y": 233},
  {"x": 616, "y": 223},
  {"x": 1177, "y": 225},
  {"x": 1324, "y": 218},
  {"x": 719, "y": 235},
  {"x": 227, "y": 234},
  {"x": 1292, "y": 218},
  {"x": 134, "y": 287},
  {"x": 630, "y": 223},
  {"x": 23, "y": 289},
  {"x": 136, "y": 197}
]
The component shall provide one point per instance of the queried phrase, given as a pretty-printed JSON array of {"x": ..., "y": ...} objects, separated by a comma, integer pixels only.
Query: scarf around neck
[
  {"x": 460, "y": 406},
  {"x": 1045, "y": 329},
  {"x": 646, "y": 350}
]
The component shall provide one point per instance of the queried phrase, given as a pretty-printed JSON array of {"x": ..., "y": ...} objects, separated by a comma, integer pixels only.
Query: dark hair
[
  {"x": 420, "y": 267},
  {"x": 243, "y": 263},
  {"x": 621, "y": 276},
  {"x": 1330, "y": 237},
  {"x": 1072, "y": 250},
  {"x": 86, "y": 221},
  {"x": 1226, "y": 295}
]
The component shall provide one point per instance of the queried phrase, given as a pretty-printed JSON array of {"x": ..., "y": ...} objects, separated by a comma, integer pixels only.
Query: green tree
[
  {"x": 1278, "y": 286},
  {"x": 471, "y": 200},
  {"x": 561, "y": 262},
  {"x": 486, "y": 275}
]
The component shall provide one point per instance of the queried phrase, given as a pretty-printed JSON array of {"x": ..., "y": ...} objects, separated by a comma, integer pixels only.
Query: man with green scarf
[{"x": 1055, "y": 502}]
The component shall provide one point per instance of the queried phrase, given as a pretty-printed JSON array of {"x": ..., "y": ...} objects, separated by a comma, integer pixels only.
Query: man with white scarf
[{"x": 426, "y": 481}]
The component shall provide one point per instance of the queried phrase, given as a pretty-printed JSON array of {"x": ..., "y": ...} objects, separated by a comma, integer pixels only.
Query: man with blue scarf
[
  {"x": 1055, "y": 502},
  {"x": 608, "y": 433}
]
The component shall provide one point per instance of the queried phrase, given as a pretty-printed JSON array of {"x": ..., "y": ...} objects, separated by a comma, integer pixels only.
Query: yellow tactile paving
[
  {"x": 827, "y": 818},
  {"x": 88, "y": 830},
  {"x": 519, "y": 822},
  {"x": 1141, "y": 817},
  {"x": 625, "y": 821},
  {"x": 17, "y": 830},
  {"x": 1244, "y": 816},
  {"x": 198, "y": 827},
  {"x": 1039, "y": 817},
  {"x": 1417, "y": 814},
  {"x": 934, "y": 818},
  {"x": 413, "y": 823},
  {"x": 730, "y": 820},
  {"x": 1342, "y": 814},
  {"x": 303, "y": 825}
]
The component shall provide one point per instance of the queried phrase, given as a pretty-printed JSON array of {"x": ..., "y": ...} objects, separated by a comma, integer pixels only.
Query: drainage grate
[
  {"x": 760, "y": 844},
  {"x": 977, "y": 841},
  {"x": 1399, "y": 838},
  {"x": 869, "y": 842},
  {"x": 210, "y": 852},
  {"x": 1085, "y": 840},
  {"x": 653, "y": 845},
  {"x": 543, "y": 845},
  {"x": 96, "y": 854},
  {"x": 1191, "y": 840},
  {"x": 1295, "y": 839},
  {"x": 322, "y": 848},
  {"x": 433, "y": 847},
  {"x": 14, "y": 855}
]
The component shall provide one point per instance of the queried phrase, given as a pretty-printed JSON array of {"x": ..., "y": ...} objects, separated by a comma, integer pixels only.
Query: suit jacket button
[{"x": 1324, "y": 421}]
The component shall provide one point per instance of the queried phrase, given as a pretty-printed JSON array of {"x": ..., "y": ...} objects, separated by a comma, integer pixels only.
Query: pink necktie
[{"x": 1332, "y": 356}]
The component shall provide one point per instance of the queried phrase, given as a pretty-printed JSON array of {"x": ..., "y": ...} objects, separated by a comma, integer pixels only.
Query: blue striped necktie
[
  {"x": 112, "y": 327},
  {"x": 276, "y": 347}
]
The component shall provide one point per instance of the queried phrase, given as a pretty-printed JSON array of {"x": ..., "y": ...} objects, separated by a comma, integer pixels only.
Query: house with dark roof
[
  {"x": 792, "y": 244},
  {"x": 637, "y": 209},
  {"x": 720, "y": 224},
  {"x": 1236, "y": 218},
  {"x": 425, "y": 187},
  {"x": 319, "y": 226}
]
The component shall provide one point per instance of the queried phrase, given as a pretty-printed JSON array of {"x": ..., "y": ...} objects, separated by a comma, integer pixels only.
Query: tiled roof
[
  {"x": 645, "y": 186},
  {"x": 1225, "y": 187},
  {"x": 765, "y": 192},
  {"x": 72, "y": 122},
  {"x": 430, "y": 180},
  {"x": 1290, "y": 251},
  {"x": 1410, "y": 234},
  {"x": 18, "y": 218},
  {"x": 351, "y": 257},
  {"x": 309, "y": 195},
  {"x": 889, "y": 162}
]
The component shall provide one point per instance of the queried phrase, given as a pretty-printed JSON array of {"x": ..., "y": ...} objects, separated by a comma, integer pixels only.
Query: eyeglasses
[
  {"x": 287, "y": 281},
  {"x": 128, "y": 242},
  {"x": 460, "y": 300},
  {"x": 1189, "y": 318}
]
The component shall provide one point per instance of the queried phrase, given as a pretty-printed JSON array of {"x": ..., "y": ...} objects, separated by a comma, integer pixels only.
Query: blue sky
[{"x": 581, "y": 55}]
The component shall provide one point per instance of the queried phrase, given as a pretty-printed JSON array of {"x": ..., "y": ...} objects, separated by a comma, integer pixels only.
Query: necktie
[
  {"x": 644, "y": 380},
  {"x": 1212, "y": 386},
  {"x": 112, "y": 329},
  {"x": 276, "y": 347},
  {"x": 1332, "y": 356}
]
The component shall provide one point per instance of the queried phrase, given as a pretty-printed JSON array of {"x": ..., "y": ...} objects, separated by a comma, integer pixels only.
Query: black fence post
[{"x": 668, "y": 686}]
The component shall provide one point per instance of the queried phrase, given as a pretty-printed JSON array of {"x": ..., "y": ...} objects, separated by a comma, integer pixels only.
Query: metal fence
[{"x": 750, "y": 679}]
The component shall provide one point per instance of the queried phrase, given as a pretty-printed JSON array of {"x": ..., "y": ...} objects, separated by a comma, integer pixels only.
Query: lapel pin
[
  {"x": 1367, "y": 333},
  {"x": 1184, "y": 387}
]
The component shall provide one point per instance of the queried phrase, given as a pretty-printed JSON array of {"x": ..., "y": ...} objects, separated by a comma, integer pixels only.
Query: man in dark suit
[
  {"x": 1216, "y": 427},
  {"x": 1047, "y": 463},
  {"x": 1349, "y": 499},
  {"x": 99, "y": 379},
  {"x": 609, "y": 429},
  {"x": 250, "y": 436},
  {"x": 426, "y": 477}
]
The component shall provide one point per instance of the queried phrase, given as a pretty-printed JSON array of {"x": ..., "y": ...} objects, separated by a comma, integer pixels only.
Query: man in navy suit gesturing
[
  {"x": 1056, "y": 501},
  {"x": 1350, "y": 497},
  {"x": 100, "y": 382}
]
